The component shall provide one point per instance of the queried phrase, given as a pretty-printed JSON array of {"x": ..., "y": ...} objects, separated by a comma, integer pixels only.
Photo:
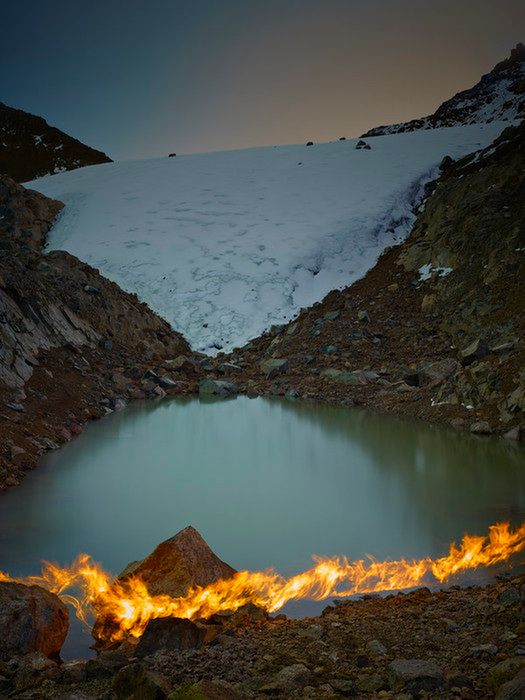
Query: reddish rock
[
  {"x": 31, "y": 620},
  {"x": 179, "y": 563}
]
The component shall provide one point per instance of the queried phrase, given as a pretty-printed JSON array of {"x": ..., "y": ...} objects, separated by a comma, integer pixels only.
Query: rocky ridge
[
  {"x": 31, "y": 148},
  {"x": 73, "y": 345},
  {"x": 498, "y": 96}
]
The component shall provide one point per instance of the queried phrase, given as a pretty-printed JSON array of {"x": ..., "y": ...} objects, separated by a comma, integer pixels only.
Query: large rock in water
[
  {"x": 179, "y": 563},
  {"x": 31, "y": 619}
]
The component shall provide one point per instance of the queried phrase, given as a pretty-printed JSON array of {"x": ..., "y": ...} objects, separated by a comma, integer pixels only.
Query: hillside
[
  {"x": 436, "y": 329},
  {"x": 68, "y": 337},
  {"x": 498, "y": 96},
  {"x": 30, "y": 147}
]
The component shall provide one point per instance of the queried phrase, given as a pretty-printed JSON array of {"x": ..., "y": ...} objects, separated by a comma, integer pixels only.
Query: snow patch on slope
[{"x": 224, "y": 244}]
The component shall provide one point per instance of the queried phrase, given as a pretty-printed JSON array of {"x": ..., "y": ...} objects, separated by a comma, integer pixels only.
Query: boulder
[
  {"x": 481, "y": 427},
  {"x": 134, "y": 681},
  {"x": 290, "y": 678},
  {"x": 174, "y": 634},
  {"x": 363, "y": 316},
  {"x": 271, "y": 368},
  {"x": 217, "y": 387},
  {"x": 362, "y": 145},
  {"x": 415, "y": 675},
  {"x": 438, "y": 371},
  {"x": 31, "y": 620},
  {"x": 179, "y": 563},
  {"x": 514, "y": 689},
  {"x": 475, "y": 351}
]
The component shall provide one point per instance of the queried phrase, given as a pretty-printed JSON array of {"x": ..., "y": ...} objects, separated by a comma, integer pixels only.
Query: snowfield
[{"x": 224, "y": 244}]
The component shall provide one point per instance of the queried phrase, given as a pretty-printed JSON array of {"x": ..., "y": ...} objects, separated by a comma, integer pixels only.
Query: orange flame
[{"x": 129, "y": 606}]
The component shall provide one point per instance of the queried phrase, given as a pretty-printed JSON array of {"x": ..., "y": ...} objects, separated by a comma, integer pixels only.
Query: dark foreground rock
[{"x": 31, "y": 620}]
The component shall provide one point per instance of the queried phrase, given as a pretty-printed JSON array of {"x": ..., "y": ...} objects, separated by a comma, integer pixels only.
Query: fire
[{"x": 128, "y": 606}]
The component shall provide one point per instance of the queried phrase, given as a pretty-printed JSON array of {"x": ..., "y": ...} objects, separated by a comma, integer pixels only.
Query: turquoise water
[{"x": 267, "y": 483}]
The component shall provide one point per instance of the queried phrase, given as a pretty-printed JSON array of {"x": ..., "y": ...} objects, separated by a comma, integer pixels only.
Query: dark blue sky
[{"x": 140, "y": 78}]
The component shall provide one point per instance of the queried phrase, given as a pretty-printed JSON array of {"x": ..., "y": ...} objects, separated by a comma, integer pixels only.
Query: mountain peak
[
  {"x": 31, "y": 148},
  {"x": 498, "y": 96}
]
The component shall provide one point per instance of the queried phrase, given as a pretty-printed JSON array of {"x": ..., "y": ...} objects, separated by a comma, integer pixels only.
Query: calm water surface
[{"x": 267, "y": 483}]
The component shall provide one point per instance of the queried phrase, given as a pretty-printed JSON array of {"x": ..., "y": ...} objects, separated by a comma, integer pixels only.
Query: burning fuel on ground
[{"x": 128, "y": 605}]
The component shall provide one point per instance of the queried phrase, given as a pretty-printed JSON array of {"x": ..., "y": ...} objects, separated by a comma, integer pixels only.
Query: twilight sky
[{"x": 140, "y": 78}]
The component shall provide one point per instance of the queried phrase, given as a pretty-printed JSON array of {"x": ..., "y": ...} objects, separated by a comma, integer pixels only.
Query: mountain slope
[
  {"x": 30, "y": 148},
  {"x": 499, "y": 96},
  {"x": 223, "y": 245}
]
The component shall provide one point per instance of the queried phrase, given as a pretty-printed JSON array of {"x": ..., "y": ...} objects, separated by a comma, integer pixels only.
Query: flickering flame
[{"x": 129, "y": 607}]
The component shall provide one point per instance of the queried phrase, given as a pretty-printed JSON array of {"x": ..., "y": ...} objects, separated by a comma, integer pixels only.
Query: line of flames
[{"x": 129, "y": 606}]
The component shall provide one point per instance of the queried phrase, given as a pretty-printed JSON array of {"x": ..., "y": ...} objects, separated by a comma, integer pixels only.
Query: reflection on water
[{"x": 267, "y": 483}]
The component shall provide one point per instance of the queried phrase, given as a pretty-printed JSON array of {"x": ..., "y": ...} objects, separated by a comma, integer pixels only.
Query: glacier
[{"x": 224, "y": 244}]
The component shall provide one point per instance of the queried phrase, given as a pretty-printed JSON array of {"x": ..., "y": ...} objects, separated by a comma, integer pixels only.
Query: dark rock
[
  {"x": 31, "y": 619},
  {"x": 362, "y": 145},
  {"x": 475, "y": 351},
  {"x": 446, "y": 163},
  {"x": 172, "y": 634},
  {"x": 105, "y": 665},
  {"x": 514, "y": 689},
  {"x": 217, "y": 387},
  {"x": 134, "y": 681},
  {"x": 271, "y": 368},
  {"x": 91, "y": 290},
  {"x": 291, "y": 678},
  {"x": 332, "y": 315},
  {"x": 172, "y": 155},
  {"x": 309, "y": 143},
  {"x": 481, "y": 427},
  {"x": 415, "y": 675}
]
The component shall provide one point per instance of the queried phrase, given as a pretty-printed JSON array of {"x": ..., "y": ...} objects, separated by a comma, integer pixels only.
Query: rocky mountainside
[
  {"x": 30, "y": 148},
  {"x": 436, "y": 329},
  {"x": 499, "y": 96},
  {"x": 73, "y": 345}
]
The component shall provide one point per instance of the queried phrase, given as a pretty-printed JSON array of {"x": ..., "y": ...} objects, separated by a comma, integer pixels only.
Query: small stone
[
  {"x": 332, "y": 315},
  {"x": 428, "y": 302},
  {"x": 510, "y": 596},
  {"x": 475, "y": 351},
  {"x": 480, "y": 427},
  {"x": 484, "y": 650},
  {"x": 415, "y": 675},
  {"x": 291, "y": 394},
  {"x": 514, "y": 433},
  {"x": 293, "y": 677},
  {"x": 363, "y": 316},
  {"x": 134, "y": 681},
  {"x": 217, "y": 387},
  {"x": 514, "y": 689},
  {"x": 91, "y": 290},
  {"x": 375, "y": 647},
  {"x": 271, "y": 368}
]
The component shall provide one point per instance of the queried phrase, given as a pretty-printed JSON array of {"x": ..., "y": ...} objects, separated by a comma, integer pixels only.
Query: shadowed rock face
[
  {"x": 31, "y": 619},
  {"x": 32, "y": 148},
  {"x": 25, "y": 215},
  {"x": 178, "y": 563}
]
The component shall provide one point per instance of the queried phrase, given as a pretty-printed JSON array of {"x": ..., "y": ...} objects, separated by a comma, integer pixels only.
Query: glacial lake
[{"x": 268, "y": 483}]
